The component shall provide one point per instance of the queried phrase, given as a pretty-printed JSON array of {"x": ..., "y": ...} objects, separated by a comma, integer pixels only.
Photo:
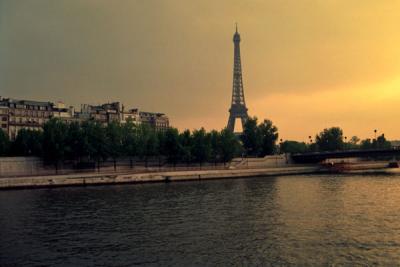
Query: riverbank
[{"x": 149, "y": 177}]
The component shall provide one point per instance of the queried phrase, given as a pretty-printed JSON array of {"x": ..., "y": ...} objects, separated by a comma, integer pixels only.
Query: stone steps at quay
[
  {"x": 269, "y": 161},
  {"x": 169, "y": 176}
]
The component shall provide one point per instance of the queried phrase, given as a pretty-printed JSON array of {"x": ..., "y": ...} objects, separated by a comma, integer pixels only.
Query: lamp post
[
  {"x": 310, "y": 146},
  {"x": 345, "y": 143}
]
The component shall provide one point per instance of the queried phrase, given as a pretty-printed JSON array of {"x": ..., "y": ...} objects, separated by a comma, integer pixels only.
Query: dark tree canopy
[
  {"x": 27, "y": 143},
  {"x": 94, "y": 140},
  {"x": 330, "y": 139},
  {"x": 75, "y": 141},
  {"x": 4, "y": 143},
  {"x": 250, "y": 137},
  {"x": 129, "y": 139},
  {"x": 186, "y": 141},
  {"x": 201, "y": 148},
  {"x": 379, "y": 143},
  {"x": 293, "y": 147},
  {"x": 91, "y": 141},
  {"x": 54, "y": 140},
  {"x": 259, "y": 139},
  {"x": 113, "y": 134},
  {"x": 268, "y": 134},
  {"x": 215, "y": 146},
  {"x": 229, "y": 145},
  {"x": 172, "y": 146}
]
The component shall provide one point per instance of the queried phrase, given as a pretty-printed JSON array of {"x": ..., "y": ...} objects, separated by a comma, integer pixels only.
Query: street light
[{"x": 280, "y": 145}]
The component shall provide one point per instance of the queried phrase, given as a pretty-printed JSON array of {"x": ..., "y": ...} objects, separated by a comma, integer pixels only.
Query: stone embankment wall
[
  {"x": 33, "y": 166},
  {"x": 13, "y": 166}
]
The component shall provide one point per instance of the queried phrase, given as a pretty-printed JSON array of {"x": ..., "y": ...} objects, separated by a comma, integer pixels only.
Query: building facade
[
  {"x": 104, "y": 113},
  {"x": 26, "y": 114},
  {"x": 130, "y": 115},
  {"x": 158, "y": 121},
  {"x": 4, "y": 118}
]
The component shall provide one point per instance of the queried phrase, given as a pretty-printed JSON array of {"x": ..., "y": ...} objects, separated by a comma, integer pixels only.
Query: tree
[
  {"x": 229, "y": 145},
  {"x": 27, "y": 143},
  {"x": 366, "y": 144},
  {"x": 75, "y": 142},
  {"x": 251, "y": 137},
  {"x": 129, "y": 140},
  {"x": 215, "y": 151},
  {"x": 381, "y": 143},
  {"x": 201, "y": 148},
  {"x": 354, "y": 140},
  {"x": 113, "y": 135},
  {"x": 4, "y": 143},
  {"x": 186, "y": 143},
  {"x": 259, "y": 140},
  {"x": 172, "y": 145},
  {"x": 330, "y": 139},
  {"x": 54, "y": 141},
  {"x": 147, "y": 141},
  {"x": 152, "y": 145},
  {"x": 313, "y": 147},
  {"x": 293, "y": 147},
  {"x": 94, "y": 141},
  {"x": 268, "y": 135},
  {"x": 353, "y": 143}
]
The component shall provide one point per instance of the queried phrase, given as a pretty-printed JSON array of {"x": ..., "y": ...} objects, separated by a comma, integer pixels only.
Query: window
[
  {"x": 4, "y": 118},
  {"x": 4, "y": 126}
]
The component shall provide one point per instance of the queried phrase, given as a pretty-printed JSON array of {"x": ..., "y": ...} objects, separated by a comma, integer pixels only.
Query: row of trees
[
  {"x": 91, "y": 141},
  {"x": 95, "y": 142},
  {"x": 332, "y": 139}
]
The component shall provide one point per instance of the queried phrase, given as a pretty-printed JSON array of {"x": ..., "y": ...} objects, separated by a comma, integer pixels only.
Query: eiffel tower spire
[{"x": 238, "y": 106}]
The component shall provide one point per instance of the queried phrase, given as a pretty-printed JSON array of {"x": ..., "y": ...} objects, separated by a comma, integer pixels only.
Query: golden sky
[{"x": 306, "y": 64}]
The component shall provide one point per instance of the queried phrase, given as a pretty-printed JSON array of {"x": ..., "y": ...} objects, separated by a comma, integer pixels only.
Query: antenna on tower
[{"x": 236, "y": 26}]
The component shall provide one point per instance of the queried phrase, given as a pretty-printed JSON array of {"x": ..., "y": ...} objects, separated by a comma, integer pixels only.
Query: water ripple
[{"x": 283, "y": 221}]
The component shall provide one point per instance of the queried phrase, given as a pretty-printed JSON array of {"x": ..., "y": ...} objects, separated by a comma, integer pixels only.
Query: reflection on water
[{"x": 303, "y": 220}]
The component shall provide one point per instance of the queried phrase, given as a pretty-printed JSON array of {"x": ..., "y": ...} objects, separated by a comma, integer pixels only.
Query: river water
[{"x": 282, "y": 221}]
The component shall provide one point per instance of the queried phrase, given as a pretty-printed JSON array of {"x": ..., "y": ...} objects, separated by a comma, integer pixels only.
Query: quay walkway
[{"x": 108, "y": 178}]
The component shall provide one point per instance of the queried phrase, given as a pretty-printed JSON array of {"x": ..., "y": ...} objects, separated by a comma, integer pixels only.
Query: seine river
[{"x": 296, "y": 220}]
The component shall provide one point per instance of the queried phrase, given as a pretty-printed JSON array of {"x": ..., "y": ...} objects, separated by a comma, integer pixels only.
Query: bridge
[{"x": 316, "y": 157}]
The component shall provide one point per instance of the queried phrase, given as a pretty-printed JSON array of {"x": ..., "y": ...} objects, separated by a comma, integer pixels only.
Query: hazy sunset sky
[{"x": 306, "y": 65}]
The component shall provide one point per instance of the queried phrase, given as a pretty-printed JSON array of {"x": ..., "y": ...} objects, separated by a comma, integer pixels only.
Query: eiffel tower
[{"x": 238, "y": 107}]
